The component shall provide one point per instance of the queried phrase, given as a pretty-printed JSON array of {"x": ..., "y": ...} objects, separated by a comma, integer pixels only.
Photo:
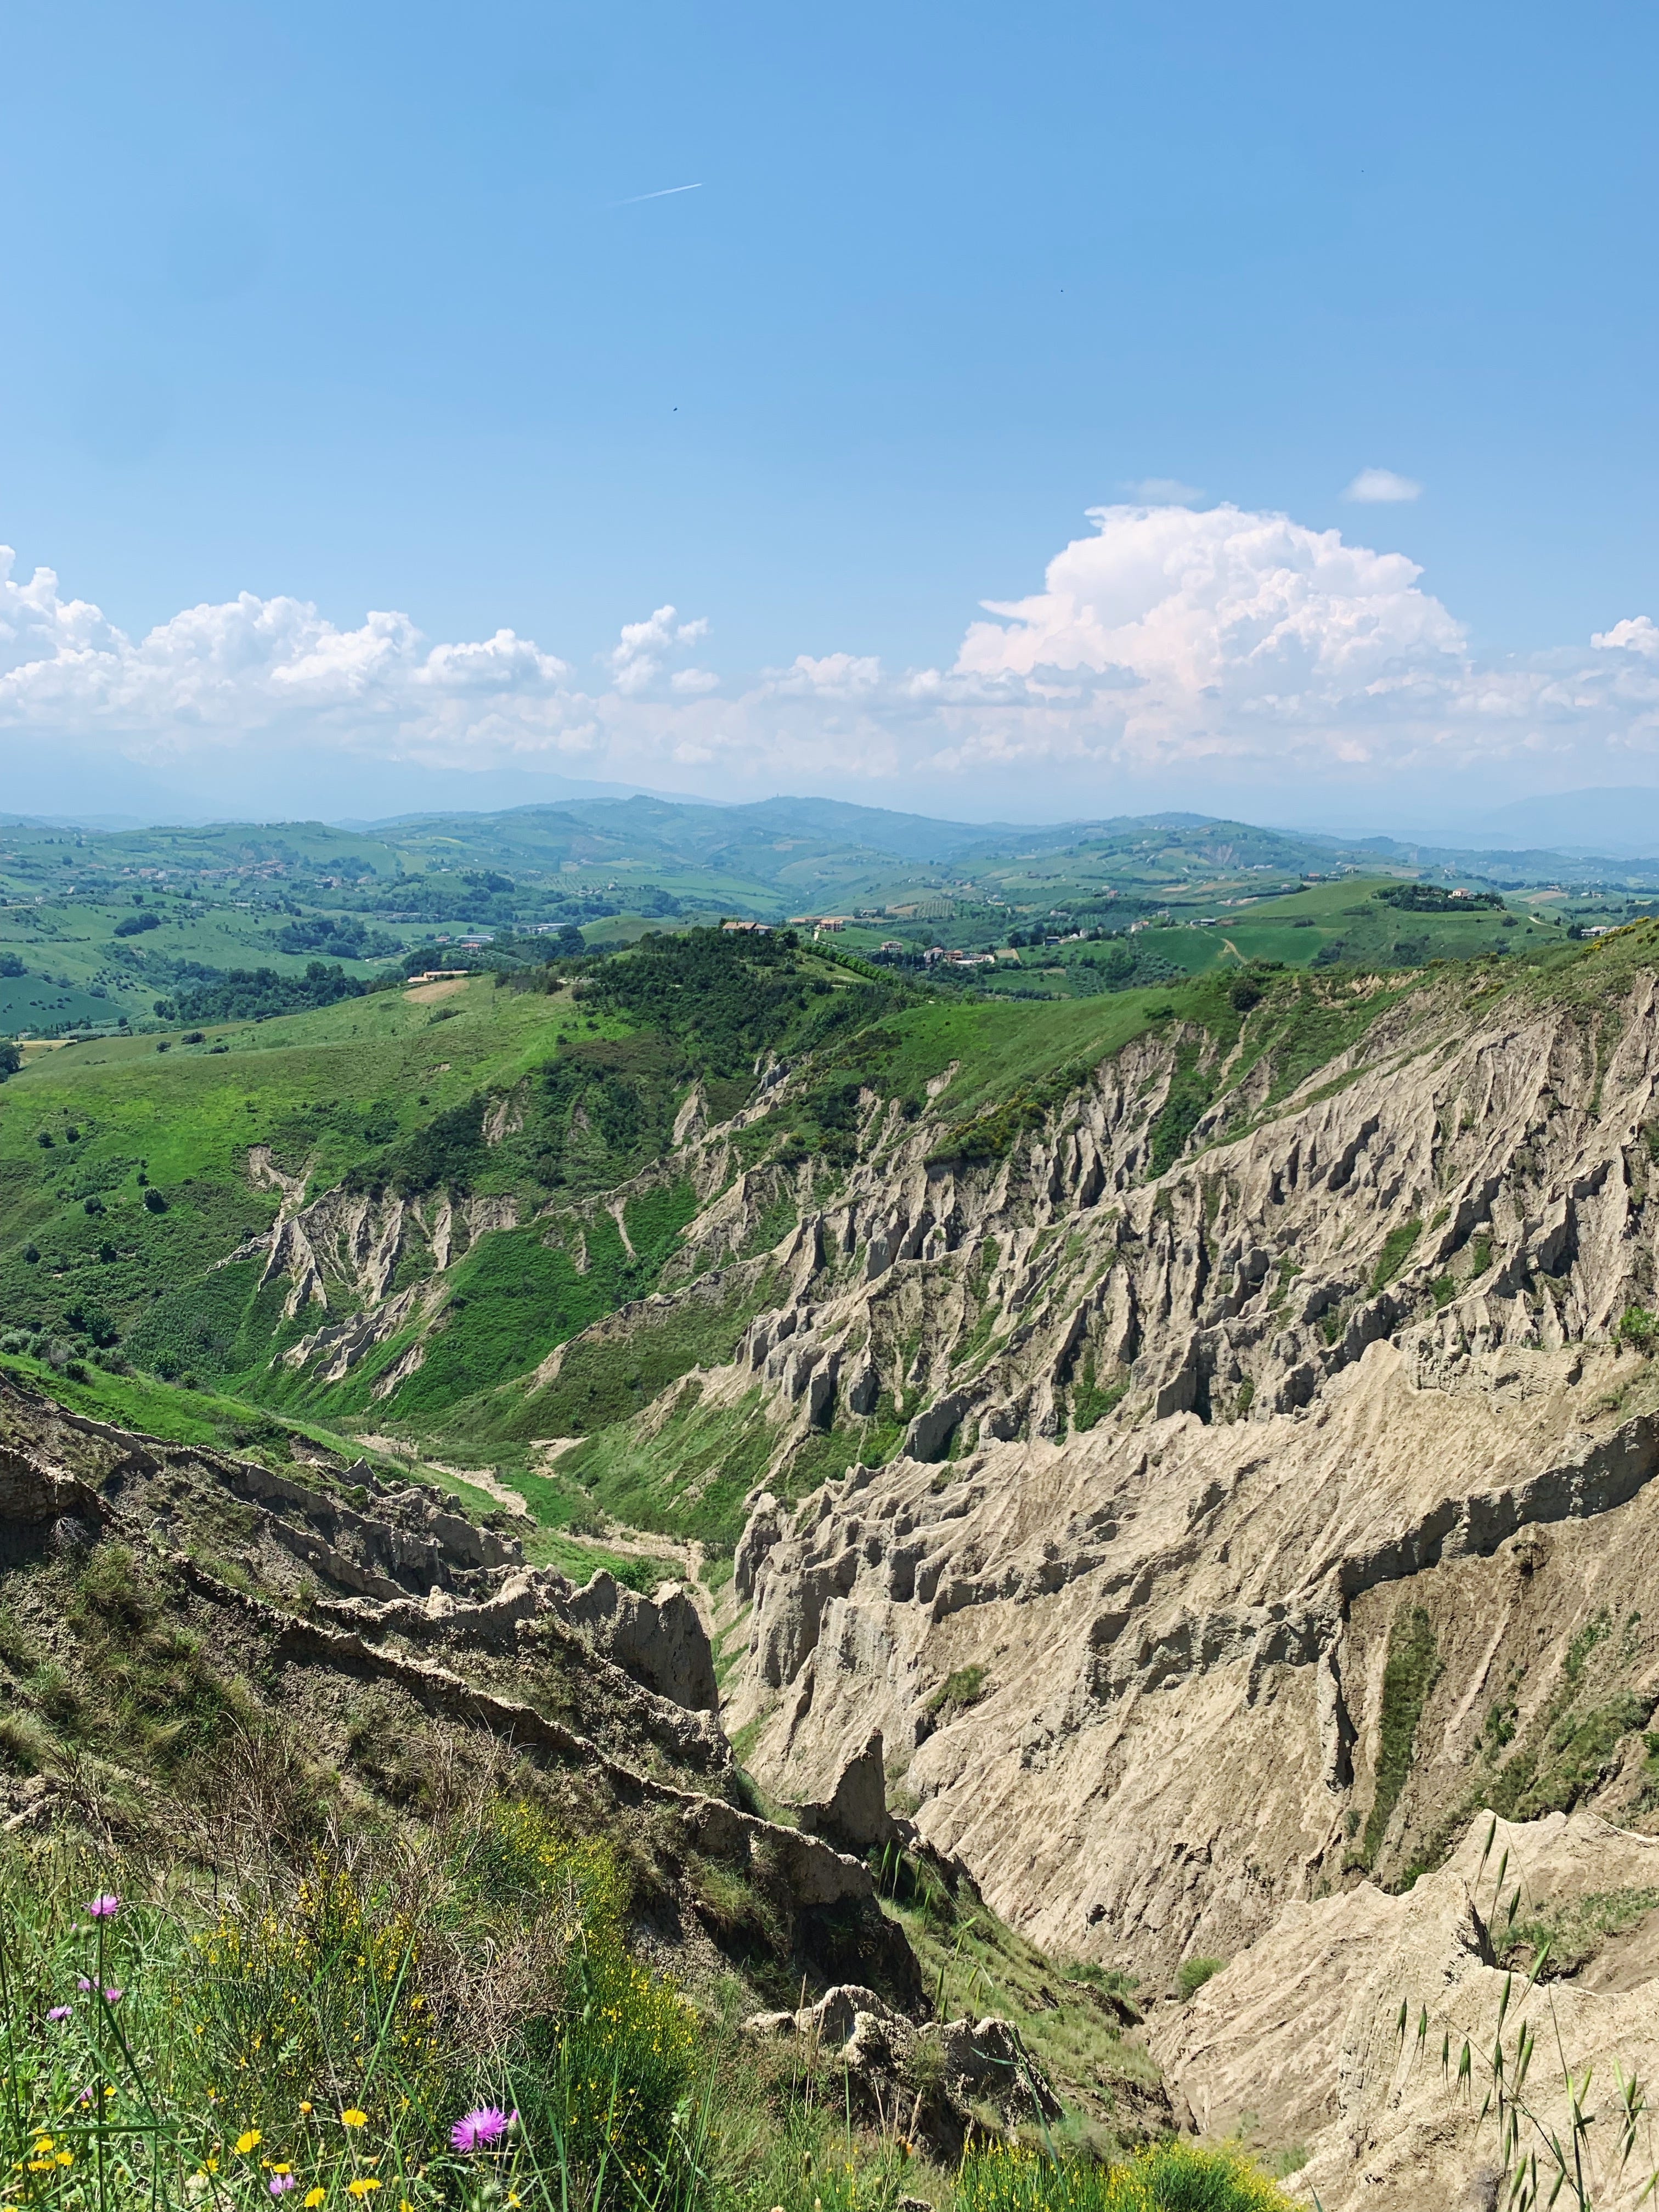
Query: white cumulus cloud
[
  {"x": 1639, "y": 635},
  {"x": 1382, "y": 487},
  {"x": 637, "y": 659},
  {"x": 1164, "y": 491},
  {"x": 1206, "y": 645},
  {"x": 836, "y": 674}
]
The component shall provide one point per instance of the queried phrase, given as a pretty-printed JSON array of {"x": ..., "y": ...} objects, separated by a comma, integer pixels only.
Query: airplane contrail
[{"x": 666, "y": 194}]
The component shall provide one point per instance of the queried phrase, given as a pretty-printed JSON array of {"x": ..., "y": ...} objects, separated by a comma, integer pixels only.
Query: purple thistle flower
[
  {"x": 82, "y": 1983},
  {"x": 60, "y": 2012},
  {"x": 112, "y": 1997},
  {"x": 481, "y": 2130},
  {"x": 106, "y": 1906},
  {"x": 279, "y": 2182}
]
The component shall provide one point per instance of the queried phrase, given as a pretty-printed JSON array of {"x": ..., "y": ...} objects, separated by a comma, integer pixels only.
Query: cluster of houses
[{"x": 821, "y": 925}]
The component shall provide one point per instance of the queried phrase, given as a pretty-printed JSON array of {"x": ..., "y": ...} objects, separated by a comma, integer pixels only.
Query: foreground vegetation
[{"x": 452, "y": 2018}]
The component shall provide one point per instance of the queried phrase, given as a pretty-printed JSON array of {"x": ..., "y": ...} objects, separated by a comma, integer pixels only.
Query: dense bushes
[
  {"x": 1433, "y": 898},
  {"x": 724, "y": 998},
  {"x": 342, "y": 936},
  {"x": 254, "y": 994}
]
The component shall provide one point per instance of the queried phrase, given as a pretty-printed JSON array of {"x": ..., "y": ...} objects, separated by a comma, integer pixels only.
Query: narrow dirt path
[{"x": 476, "y": 1478}]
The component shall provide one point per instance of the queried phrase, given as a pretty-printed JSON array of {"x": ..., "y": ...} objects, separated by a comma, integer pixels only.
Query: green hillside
[
  {"x": 102, "y": 930},
  {"x": 510, "y": 1134}
]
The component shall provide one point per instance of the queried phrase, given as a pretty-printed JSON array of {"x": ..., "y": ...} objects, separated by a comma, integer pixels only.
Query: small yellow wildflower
[
  {"x": 247, "y": 2142},
  {"x": 352, "y": 2117},
  {"x": 314, "y": 2197},
  {"x": 43, "y": 2145},
  {"x": 304, "y": 2106},
  {"x": 364, "y": 2185},
  {"x": 65, "y": 2157}
]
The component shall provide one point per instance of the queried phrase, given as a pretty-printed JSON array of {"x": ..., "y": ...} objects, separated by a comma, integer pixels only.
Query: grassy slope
[
  {"x": 332, "y": 1090},
  {"x": 322, "y": 1090},
  {"x": 1001, "y": 1046},
  {"x": 1339, "y": 920}
]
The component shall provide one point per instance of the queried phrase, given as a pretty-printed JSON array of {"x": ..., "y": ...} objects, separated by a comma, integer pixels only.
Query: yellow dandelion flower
[
  {"x": 304, "y": 2106},
  {"x": 352, "y": 2117},
  {"x": 247, "y": 2142},
  {"x": 65, "y": 2157},
  {"x": 312, "y": 2198},
  {"x": 364, "y": 2185}
]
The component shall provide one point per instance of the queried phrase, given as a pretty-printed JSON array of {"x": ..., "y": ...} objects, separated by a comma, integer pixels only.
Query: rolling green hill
[
  {"x": 387, "y": 1216},
  {"x": 101, "y": 931}
]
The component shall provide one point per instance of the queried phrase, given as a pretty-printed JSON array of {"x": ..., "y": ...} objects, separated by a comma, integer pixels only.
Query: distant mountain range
[{"x": 1582, "y": 836}]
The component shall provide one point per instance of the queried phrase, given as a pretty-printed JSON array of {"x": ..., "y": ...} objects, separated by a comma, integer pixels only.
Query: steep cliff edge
[{"x": 1254, "y": 1517}]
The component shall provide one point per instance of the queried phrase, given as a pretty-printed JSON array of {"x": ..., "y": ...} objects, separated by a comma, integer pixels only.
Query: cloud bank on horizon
[{"x": 1173, "y": 643}]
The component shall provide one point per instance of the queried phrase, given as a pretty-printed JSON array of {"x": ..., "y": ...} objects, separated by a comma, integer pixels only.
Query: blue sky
[{"x": 363, "y": 309}]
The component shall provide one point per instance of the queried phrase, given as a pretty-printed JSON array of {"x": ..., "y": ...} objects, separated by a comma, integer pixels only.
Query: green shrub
[
  {"x": 1190, "y": 1092},
  {"x": 607, "y": 2077},
  {"x": 522, "y": 1857},
  {"x": 1193, "y": 1974},
  {"x": 1092, "y": 1401},
  {"x": 1636, "y": 1327},
  {"x": 280, "y": 1998},
  {"x": 1396, "y": 1251},
  {"x": 958, "y": 1691},
  {"x": 1411, "y": 1671},
  {"x": 1167, "y": 2176}
]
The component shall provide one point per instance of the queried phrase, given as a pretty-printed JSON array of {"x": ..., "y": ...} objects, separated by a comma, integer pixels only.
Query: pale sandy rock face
[
  {"x": 1242, "y": 1511},
  {"x": 1298, "y": 2041},
  {"x": 1360, "y": 1368}
]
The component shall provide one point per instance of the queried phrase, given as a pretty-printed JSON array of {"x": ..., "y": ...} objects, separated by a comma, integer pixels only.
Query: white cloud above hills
[
  {"x": 1382, "y": 488},
  {"x": 1169, "y": 643}
]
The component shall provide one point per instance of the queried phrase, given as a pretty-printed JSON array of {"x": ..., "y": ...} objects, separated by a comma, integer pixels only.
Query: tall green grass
[
  {"x": 1167, "y": 2176},
  {"x": 449, "y": 2017}
]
